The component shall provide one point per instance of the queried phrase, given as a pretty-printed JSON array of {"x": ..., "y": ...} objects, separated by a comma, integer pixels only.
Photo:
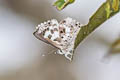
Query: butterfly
[{"x": 61, "y": 35}]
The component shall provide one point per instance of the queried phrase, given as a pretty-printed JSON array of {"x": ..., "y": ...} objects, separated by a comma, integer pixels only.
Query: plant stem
[{"x": 106, "y": 11}]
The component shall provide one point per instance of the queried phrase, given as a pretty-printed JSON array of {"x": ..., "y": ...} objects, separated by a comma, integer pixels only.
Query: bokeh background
[{"x": 21, "y": 53}]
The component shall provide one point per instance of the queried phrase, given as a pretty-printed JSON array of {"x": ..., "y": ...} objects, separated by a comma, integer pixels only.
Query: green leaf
[
  {"x": 60, "y": 4},
  {"x": 106, "y": 11}
]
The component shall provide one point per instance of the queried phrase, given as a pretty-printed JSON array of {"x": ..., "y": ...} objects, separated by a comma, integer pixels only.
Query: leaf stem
[{"x": 106, "y": 11}]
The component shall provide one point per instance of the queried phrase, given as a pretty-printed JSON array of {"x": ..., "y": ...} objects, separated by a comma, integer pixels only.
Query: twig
[{"x": 106, "y": 11}]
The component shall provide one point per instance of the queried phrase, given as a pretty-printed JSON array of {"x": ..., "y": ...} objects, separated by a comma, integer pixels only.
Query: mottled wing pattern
[
  {"x": 61, "y": 35},
  {"x": 48, "y": 32}
]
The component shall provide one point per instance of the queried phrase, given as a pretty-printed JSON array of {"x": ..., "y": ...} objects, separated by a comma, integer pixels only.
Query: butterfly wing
[
  {"x": 60, "y": 35},
  {"x": 40, "y": 36},
  {"x": 49, "y": 33}
]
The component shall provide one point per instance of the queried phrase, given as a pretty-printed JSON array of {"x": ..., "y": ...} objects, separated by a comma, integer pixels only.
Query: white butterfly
[{"x": 60, "y": 35}]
